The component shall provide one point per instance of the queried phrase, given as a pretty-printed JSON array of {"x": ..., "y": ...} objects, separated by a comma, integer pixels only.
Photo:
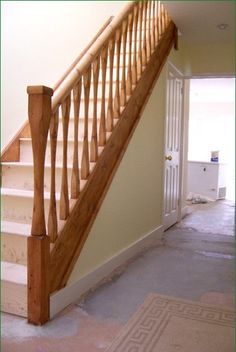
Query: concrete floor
[{"x": 195, "y": 262}]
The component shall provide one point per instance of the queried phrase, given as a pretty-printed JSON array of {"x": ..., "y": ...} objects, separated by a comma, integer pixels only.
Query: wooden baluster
[
  {"x": 75, "y": 181},
  {"x": 159, "y": 21},
  {"x": 85, "y": 154},
  {"x": 166, "y": 18},
  {"x": 134, "y": 66},
  {"x": 140, "y": 19},
  {"x": 94, "y": 139},
  {"x": 102, "y": 126},
  {"x": 64, "y": 199},
  {"x": 123, "y": 80},
  {"x": 129, "y": 71},
  {"x": 156, "y": 23},
  {"x": 52, "y": 217},
  {"x": 117, "y": 93},
  {"x": 144, "y": 50},
  {"x": 153, "y": 40},
  {"x": 38, "y": 248},
  {"x": 162, "y": 20},
  {"x": 148, "y": 30},
  {"x": 110, "y": 114}
]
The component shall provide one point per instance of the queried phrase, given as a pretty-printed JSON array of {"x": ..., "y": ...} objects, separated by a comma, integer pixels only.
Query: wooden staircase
[{"x": 79, "y": 132}]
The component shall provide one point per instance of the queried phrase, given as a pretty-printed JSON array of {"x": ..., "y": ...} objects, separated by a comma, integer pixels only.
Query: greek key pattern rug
[{"x": 165, "y": 324}]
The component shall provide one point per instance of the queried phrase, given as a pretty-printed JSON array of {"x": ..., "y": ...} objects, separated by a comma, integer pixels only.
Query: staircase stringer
[{"x": 76, "y": 230}]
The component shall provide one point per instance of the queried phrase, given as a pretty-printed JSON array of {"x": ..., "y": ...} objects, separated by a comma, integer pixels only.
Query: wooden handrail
[
  {"x": 11, "y": 152},
  {"x": 89, "y": 56},
  {"x": 130, "y": 41},
  {"x": 83, "y": 52}
]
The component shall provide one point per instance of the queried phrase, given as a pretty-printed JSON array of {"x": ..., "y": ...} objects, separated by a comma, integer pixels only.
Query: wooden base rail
[{"x": 128, "y": 56}]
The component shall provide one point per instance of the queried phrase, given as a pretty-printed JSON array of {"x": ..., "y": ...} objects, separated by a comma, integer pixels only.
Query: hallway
[{"x": 194, "y": 261}]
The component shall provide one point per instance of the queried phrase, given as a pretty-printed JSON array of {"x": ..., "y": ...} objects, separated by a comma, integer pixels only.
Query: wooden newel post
[{"x": 39, "y": 110}]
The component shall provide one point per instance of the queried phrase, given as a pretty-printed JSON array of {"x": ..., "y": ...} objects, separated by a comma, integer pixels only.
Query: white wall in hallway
[
  {"x": 212, "y": 123},
  {"x": 40, "y": 39}
]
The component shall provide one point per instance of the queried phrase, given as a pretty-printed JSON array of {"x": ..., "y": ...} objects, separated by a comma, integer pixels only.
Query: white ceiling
[{"x": 197, "y": 20}]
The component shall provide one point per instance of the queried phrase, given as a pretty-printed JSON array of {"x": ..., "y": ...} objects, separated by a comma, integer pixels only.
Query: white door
[{"x": 172, "y": 147}]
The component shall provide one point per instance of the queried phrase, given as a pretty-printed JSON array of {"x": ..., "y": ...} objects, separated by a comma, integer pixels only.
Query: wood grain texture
[
  {"x": 156, "y": 23},
  {"x": 52, "y": 216},
  {"x": 144, "y": 48},
  {"x": 140, "y": 23},
  {"x": 102, "y": 126},
  {"x": 64, "y": 196},
  {"x": 72, "y": 238},
  {"x": 12, "y": 151},
  {"x": 39, "y": 111},
  {"x": 83, "y": 52},
  {"x": 159, "y": 21},
  {"x": 75, "y": 178},
  {"x": 117, "y": 91},
  {"x": 110, "y": 113},
  {"x": 129, "y": 70},
  {"x": 134, "y": 64},
  {"x": 85, "y": 154},
  {"x": 123, "y": 77},
  {"x": 152, "y": 24},
  {"x": 149, "y": 29},
  {"x": 94, "y": 138},
  {"x": 38, "y": 279}
]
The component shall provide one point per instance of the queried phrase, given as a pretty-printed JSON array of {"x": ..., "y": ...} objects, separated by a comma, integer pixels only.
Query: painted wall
[
  {"x": 40, "y": 39},
  {"x": 209, "y": 60},
  {"x": 133, "y": 205}
]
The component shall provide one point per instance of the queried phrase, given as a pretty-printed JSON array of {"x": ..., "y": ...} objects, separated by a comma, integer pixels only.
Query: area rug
[{"x": 166, "y": 324}]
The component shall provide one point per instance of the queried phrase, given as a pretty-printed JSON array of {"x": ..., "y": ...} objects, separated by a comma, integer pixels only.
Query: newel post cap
[{"x": 40, "y": 90}]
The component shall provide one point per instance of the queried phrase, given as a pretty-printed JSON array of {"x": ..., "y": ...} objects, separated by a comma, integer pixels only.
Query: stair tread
[
  {"x": 29, "y": 164},
  {"x": 14, "y": 273},
  {"x": 10, "y": 227},
  {"x": 24, "y": 193}
]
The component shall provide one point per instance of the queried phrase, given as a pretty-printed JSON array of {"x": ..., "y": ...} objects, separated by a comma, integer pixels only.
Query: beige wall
[
  {"x": 40, "y": 39},
  {"x": 133, "y": 205},
  {"x": 209, "y": 60}
]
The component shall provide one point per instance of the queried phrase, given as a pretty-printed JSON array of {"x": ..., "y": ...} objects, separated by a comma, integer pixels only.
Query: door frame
[{"x": 182, "y": 144}]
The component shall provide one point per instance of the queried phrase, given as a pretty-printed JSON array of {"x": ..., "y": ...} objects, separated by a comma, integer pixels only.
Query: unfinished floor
[{"x": 195, "y": 262}]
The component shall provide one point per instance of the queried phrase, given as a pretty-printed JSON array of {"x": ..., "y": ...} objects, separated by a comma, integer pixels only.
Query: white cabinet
[{"x": 207, "y": 179}]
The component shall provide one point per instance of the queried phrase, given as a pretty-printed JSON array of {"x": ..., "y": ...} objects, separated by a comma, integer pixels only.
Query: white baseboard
[
  {"x": 184, "y": 211},
  {"x": 72, "y": 293}
]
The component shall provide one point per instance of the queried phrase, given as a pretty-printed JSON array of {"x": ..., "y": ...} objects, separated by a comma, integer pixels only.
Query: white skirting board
[
  {"x": 184, "y": 211},
  {"x": 71, "y": 293}
]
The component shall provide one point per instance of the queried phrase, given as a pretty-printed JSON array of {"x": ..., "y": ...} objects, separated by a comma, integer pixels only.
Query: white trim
[
  {"x": 184, "y": 211},
  {"x": 180, "y": 76},
  {"x": 72, "y": 293}
]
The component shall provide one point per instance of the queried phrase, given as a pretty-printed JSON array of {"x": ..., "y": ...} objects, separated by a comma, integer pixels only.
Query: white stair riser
[
  {"x": 27, "y": 156},
  {"x": 80, "y": 129},
  {"x": 19, "y": 209},
  {"x": 14, "y": 298},
  {"x": 25, "y": 179},
  {"x": 14, "y": 248}
]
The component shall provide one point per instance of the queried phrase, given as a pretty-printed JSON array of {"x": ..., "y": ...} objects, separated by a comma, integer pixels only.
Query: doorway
[
  {"x": 212, "y": 135},
  {"x": 173, "y": 144}
]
